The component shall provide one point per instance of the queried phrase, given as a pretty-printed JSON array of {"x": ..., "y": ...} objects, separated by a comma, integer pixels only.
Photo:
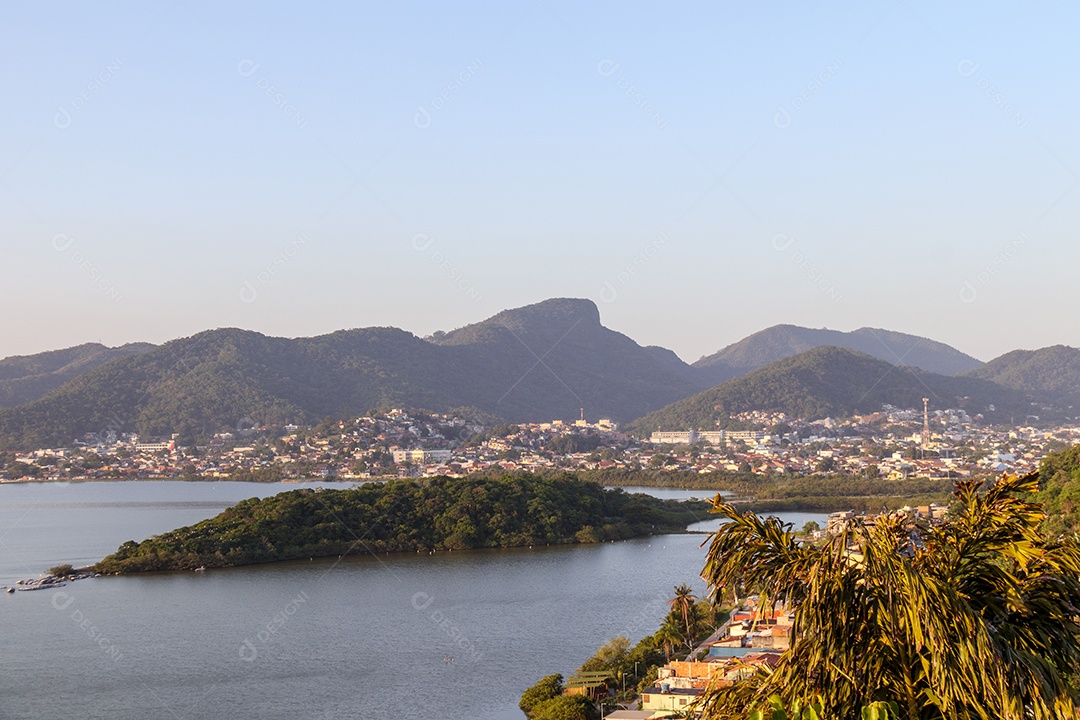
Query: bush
[
  {"x": 547, "y": 688},
  {"x": 566, "y": 707},
  {"x": 611, "y": 656},
  {"x": 61, "y": 570}
]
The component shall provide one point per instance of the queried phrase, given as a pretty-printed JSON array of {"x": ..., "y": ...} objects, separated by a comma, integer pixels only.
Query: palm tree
[
  {"x": 976, "y": 618},
  {"x": 682, "y": 605},
  {"x": 668, "y": 636}
]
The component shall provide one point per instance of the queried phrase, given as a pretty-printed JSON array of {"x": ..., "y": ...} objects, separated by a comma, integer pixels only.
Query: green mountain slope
[
  {"x": 541, "y": 362},
  {"x": 26, "y": 378},
  {"x": 782, "y": 341},
  {"x": 1059, "y": 490},
  {"x": 1052, "y": 372},
  {"x": 836, "y": 382}
]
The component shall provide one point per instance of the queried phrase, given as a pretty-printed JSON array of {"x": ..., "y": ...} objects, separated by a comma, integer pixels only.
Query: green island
[
  {"x": 487, "y": 511},
  {"x": 438, "y": 513}
]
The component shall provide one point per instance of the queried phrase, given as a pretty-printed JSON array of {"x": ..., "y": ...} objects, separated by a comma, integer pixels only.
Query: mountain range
[
  {"x": 539, "y": 362},
  {"x": 782, "y": 341},
  {"x": 547, "y": 361},
  {"x": 832, "y": 381}
]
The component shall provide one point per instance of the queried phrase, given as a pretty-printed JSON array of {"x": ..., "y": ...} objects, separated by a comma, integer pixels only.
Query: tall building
[{"x": 421, "y": 456}]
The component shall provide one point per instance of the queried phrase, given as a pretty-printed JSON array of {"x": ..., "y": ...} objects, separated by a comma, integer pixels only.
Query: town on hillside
[{"x": 892, "y": 443}]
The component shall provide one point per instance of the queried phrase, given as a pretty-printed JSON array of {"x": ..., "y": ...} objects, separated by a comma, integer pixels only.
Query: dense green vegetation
[
  {"x": 1059, "y": 491},
  {"x": 434, "y": 514},
  {"x": 545, "y": 701},
  {"x": 25, "y": 378},
  {"x": 546, "y": 688},
  {"x": 60, "y": 571},
  {"x": 215, "y": 380},
  {"x": 1052, "y": 372},
  {"x": 975, "y": 618},
  {"x": 831, "y": 382}
]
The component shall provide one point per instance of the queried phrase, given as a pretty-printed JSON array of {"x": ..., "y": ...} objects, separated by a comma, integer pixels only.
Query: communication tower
[{"x": 925, "y": 423}]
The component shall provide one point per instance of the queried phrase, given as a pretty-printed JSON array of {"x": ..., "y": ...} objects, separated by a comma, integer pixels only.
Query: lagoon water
[{"x": 393, "y": 636}]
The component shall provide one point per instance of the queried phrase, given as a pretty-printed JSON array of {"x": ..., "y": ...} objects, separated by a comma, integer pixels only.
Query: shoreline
[
  {"x": 823, "y": 503},
  {"x": 81, "y": 480}
]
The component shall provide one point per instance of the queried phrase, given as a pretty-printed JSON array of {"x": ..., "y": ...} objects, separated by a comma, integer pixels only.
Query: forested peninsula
[{"x": 438, "y": 513}]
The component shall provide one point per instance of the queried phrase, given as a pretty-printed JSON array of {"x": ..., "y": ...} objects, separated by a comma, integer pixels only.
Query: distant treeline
[
  {"x": 408, "y": 516},
  {"x": 775, "y": 493},
  {"x": 861, "y": 503}
]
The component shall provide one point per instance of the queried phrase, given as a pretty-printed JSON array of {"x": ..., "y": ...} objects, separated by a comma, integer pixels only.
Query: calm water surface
[{"x": 392, "y": 636}]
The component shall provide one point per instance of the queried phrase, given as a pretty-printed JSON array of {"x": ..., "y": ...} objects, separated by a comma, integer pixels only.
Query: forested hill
[
  {"x": 833, "y": 382},
  {"x": 541, "y": 362},
  {"x": 537, "y": 363},
  {"x": 25, "y": 378},
  {"x": 1051, "y": 372},
  {"x": 434, "y": 514},
  {"x": 783, "y": 341}
]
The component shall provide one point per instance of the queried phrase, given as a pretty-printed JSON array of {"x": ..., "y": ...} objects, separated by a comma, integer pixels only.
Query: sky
[{"x": 700, "y": 170}]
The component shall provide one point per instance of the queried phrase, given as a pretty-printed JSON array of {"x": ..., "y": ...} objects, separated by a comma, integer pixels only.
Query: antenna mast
[{"x": 925, "y": 424}]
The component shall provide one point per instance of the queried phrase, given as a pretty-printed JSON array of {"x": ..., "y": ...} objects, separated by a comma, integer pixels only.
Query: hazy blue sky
[{"x": 701, "y": 170}]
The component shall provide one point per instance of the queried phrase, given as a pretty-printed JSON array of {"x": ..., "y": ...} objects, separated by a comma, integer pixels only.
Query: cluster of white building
[{"x": 713, "y": 437}]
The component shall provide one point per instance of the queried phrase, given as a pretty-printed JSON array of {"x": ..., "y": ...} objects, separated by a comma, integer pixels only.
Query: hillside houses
[{"x": 401, "y": 443}]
